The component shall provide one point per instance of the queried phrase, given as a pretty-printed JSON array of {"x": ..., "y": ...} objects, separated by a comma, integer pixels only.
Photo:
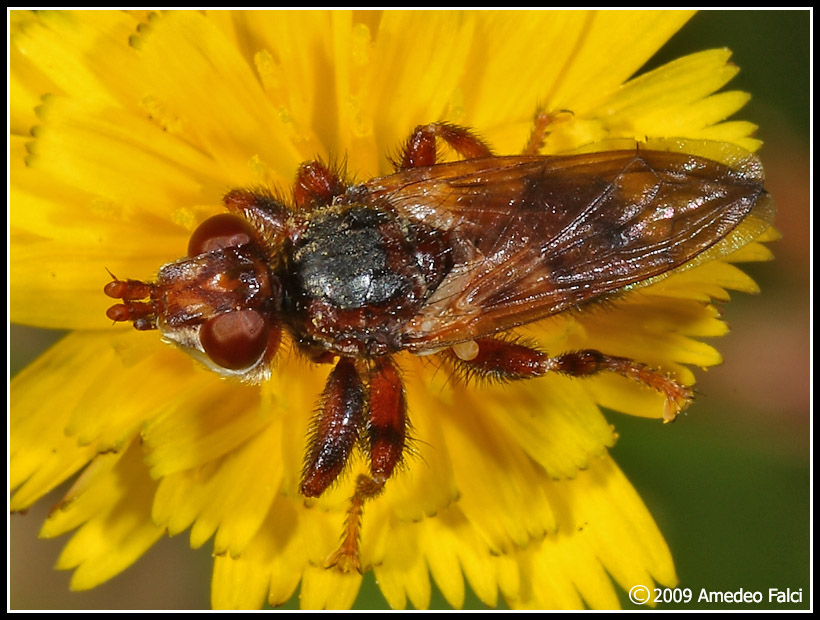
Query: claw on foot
[{"x": 346, "y": 558}]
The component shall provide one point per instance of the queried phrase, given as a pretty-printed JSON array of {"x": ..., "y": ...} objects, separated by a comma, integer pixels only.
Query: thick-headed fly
[{"x": 437, "y": 258}]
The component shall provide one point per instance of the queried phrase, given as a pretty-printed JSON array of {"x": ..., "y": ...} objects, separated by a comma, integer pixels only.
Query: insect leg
[
  {"x": 540, "y": 126},
  {"x": 420, "y": 149},
  {"x": 498, "y": 359},
  {"x": 589, "y": 362},
  {"x": 266, "y": 214},
  {"x": 316, "y": 185},
  {"x": 386, "y": 431},
  {"x": 387, "y": 426},
  {"x": 335, "y": 429}
]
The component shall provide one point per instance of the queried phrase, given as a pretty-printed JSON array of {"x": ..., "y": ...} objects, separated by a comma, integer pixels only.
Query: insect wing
[{"x": 533, "y": 236}]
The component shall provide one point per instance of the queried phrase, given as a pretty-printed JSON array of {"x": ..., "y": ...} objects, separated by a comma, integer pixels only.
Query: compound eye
[
  {"x": 235, "y": 340},
  {"x": 220, "y": 231}
]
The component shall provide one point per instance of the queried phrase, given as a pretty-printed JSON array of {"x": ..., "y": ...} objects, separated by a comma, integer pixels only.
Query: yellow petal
[
  {"x": 80, "y": 53},
  {"x": 207, "y": 420},
  {"x": 269, "y": 567},
  {"x": 245, "y": 499},
  {"x": 118, "y": 529},
  {"x": 402, "y": 572},
  {"x": 43, "y": 397},
  {"x": 328, "y": 589},
  {"x": 604, "y": 526},
  {"x": 400, "y": 90},
  {"x": 585, "y": 77},
  {"x": 185, "y": 55},
  {"x": 150, "y": 119}
]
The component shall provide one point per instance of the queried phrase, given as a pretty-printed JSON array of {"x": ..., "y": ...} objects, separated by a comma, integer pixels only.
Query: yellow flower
[{"x": 142, "y": 123}]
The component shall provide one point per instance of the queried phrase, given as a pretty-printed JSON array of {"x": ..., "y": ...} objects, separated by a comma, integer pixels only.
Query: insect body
[{"x": 436, "y": 258}]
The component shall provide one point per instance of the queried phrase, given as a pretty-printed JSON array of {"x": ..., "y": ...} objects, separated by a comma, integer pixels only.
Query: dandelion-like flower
[{"x": 141, "y": 124}]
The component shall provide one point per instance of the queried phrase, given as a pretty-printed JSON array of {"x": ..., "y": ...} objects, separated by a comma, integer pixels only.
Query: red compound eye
[
  {"x": 235, "y": 340},
  {"x": 220, "y": 231}
]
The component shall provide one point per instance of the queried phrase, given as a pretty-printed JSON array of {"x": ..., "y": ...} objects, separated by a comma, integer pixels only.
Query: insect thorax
[{"x": 357, "y": 274}]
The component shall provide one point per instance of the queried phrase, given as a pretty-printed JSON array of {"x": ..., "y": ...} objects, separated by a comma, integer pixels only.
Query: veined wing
[{"x": 532, "y": 236}]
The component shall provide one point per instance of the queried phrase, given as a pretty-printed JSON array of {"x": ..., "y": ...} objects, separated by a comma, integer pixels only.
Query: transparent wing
[{"x": 532, "y": 236}]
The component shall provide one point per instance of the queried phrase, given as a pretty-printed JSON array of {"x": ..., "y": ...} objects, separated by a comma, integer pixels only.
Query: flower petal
[
  {"x": 401, "y": 90},
  {"x": 603, "y": 526},
  {"x": 185, "y": 56},
  {"x": 89, "y": 210},
  {"x": 43, "y": 397},
  {"x": 328, "y": 589},
  {"x": 80, "y": 54},
  {"x": 585, "y": 77},
  {"x": 269, "y": 567},
  {"x": 117, "y": 529},
  {"x": 207, "y": 420},
  {"x": 187, "y": 497},
  {"x": 146, "y": 126}
]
